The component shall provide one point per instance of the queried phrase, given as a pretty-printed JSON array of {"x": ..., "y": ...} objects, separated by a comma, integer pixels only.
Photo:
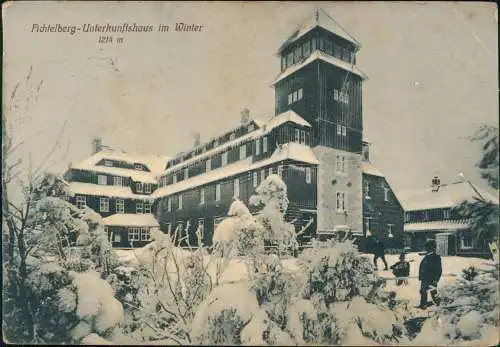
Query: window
[
  {"x": 328, "y": 46},
  {"x": 344, "y": 131},
  {"x": 303, "y": 137},
  {"x": 117, "y": 238},
  {"x": 345, "y": 54},
  {"x": 217, "y": 192},
  {"x": 104, "y": 204},
  {"x": 145, "y": 236},
  {"x": 289, "y": 59},
  {"x": 147, "y": 206},
  {"x": 224, "y": 159},
  {"x": 367, "y": 224},
  {"x": 336, "y": 50},
  {"x": 308, "y": 175},
  {"x": 120, "y": 206},
  {"x": 133, "y": 234},
  {"x": 446, "y": 213},
  {"x": 339, "y": 129},
  {"x": 108, "y": 163},
  {"x": 202, "y": 196},
  {"x": 298, "y": 54},
  {"x": 264, "y": 144},
  {"x": 335, "y": 95},
  {"x": 295, "y": 96},
  {"x": 283, "y": 63},
  {"x": 341, "y": 201},
  {"x": 169, "y": 204},
  {"x": 138, "y": 187},
  {"x": 297, "y": 135},
  {"x": 386, "y": 194},
  {"x": 426, "y": 215},
  {"x": 280, "y": 170},
  {"x": 180, "y": 202},
  {"x": 389, "y": 230},
  {"x": 367, "y": 190},
  {"x": 407, "y": 217},
  {"x": 186, "y": 173},
  {"x": 169, "y": 228},
  {"x": 243, "y": 152},
  {"x": 81, "y": 201},
  {"x": 466, "y": 242},
  {"x": 290, "y": 99},
  {"x": 117, "y": 181},
  {"x": 300, "y": 94},
  {"x": 257, "y": 146},
  {"x": 262, "y": 175},
  {"x": 102, "y": 180},
  {"x": 138, "y": 166},
  {"x": 307, "y": 48},
  {"x": 251, "y": 127},
  {"x": 208, "y": 165},
  {"x": 236, "y": 188},
  {"x": 139, "y": 207},
  {"x": 174, "y": 178},
  {"x": 232, "y": 137},
  {"x": 216, "y": 143},
  {"x": 147, "y": 187},
  {"x": 255, "y": 179},
  {"x": 270, "y": 171}
]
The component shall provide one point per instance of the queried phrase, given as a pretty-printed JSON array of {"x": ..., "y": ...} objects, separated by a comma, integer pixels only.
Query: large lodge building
[{"x": 314, "y": 142}]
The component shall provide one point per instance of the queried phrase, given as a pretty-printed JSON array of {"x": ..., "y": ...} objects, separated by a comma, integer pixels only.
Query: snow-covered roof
[
  {"x": 319, "y": 19},
  {"x": 326, "y": 58},
  {"x": 369, "y": 169},
  {"x": 155, "y": 163},
  {"x": 264, "y": 128},
  {"x": 291, "y": 150},
  {"x": 448, "y": 195},
  {"x": 105, "y": 190},
  {"x": 446, "y": 225},
  {"x": 131, "y": 220}
]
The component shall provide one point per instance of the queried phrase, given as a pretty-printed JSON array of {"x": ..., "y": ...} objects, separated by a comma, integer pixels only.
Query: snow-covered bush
[
  {"x": 271, "y": 201},
  {"x": 470, "y": 304},
  {"x": 221, "y": 318},
  {"x": 171, "y": 283}
]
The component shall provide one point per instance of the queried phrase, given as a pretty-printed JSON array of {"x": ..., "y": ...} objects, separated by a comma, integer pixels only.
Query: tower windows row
[{"x": 295, "y": 96}]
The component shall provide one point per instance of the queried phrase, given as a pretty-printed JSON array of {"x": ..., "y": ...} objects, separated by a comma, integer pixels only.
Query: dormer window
[
  {"x": 108, "y": 163},
  {"x": 297, "y": 54},
  {"x": 186, "y": 173},
  {"x": 345, "y": 54},
  {"x": 208, "y": 165},
  {"x": 289, "y": 59},
  {"x": 251, "y": 127},
  {"x": 138, "y": 166},
  {"x": 243, "y": 152},
  {"x": 232, "y": 137},
  {"x": 138, "y": 187},
  {"x": 147, "y": 187}
]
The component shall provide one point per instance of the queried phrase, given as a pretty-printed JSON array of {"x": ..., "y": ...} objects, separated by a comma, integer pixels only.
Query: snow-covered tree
[
  {"x": 483, "y": 213},
  {"x": 271, "y": 201}
]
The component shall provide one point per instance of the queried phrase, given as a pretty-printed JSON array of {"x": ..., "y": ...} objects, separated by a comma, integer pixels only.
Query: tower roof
[{"x": 319, "y": 18}]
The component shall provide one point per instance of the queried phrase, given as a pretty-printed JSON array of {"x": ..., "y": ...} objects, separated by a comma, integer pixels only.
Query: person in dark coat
[
  {"x": 429, "y": 274},
  {"x": 401, "y": 269},
  {"x": 379, "y": 252}
]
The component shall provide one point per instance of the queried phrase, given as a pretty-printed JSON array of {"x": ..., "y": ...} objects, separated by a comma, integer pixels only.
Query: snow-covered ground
[
  {"x": 410, "y": 291},
  {"x": 237, "y": 270}
]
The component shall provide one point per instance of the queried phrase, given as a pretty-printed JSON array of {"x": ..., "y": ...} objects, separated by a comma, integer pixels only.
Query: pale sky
[{"x": 433, "y": 77}]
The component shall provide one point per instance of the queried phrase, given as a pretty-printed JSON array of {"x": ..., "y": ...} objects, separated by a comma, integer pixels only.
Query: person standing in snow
[
  {"x": 379, "y": 252},
  {"x": 401, "y": 269},
  {"x": 429, "y": 274}
]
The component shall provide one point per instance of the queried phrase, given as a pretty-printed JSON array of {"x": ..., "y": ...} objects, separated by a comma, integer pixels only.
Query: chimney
[
  {"x": 366, "y": 151},
  {"x": 197, "y": 139},
  {"x": 435, "y": 183},
  {"x": 96, "y": 145},
  {"x": 245, "y": 116}
]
